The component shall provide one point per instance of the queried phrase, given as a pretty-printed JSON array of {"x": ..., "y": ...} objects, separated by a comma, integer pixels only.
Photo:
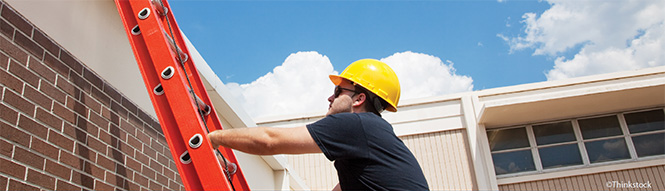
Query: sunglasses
[{"x": 339, "y": 90}]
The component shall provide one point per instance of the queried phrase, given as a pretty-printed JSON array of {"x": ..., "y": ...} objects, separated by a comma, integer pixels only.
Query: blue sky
[
  {"x": 243, "y": 40},
  {"x": 472, "y": 45}
]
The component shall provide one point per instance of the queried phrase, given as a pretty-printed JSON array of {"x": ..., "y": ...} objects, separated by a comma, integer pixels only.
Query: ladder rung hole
[
  {"x": 196, "y": 141},
  {"x": 159, "y": 90},
  {"x": 144, "y": 13},
  {"x": 136, "y": 30},
  {"x": 185, "y": 158},
  {"x": 168, "y": 73}
]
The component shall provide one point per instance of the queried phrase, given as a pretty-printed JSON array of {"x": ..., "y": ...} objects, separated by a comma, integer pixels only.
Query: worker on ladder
[{"x": 367, "y": 153}]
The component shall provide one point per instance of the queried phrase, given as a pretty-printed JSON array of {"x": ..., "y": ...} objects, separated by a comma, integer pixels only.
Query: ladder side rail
[
  {"x": 212, "y": 120},
  {"x": 178, "y": 97},
  {"x": 162, "y": 108}
]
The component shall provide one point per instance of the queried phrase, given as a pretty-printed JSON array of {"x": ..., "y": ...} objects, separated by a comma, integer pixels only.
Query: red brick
[
  {"x": 133, "y": 164},
  {"x": 132, "y": 141},
  {"x": 99, "y": 185},
  {"x": 126, "y": 149},
  {"x": 131, "y": 107},
  {"x": 74, "y": 132},
  {"x": 111, "y": 116},
  {"x": 32, "y": 126},
  {"x": 100, "y": 96},
  {"x": 131, "y": 186},
  {"x": 112, "y": 92},
  {"x": 84, "y": 152},
  {"x": 43, "y": 180},
  {"x": 23, "y": 73},
  {"x": 55, "y": 64},
  {"x": 4, "y": 60},
  {"x": 119, "y": 109},
  {"x": 140, "y": 179},
  {"x": 27, "y": 43},
  {"x": 37, "y": 97},
  {"x": 44, "y": 148},
  {"x": 19, "y": 103},
  {"x": 13, "y": 134},
  {"x": 41, "y": 69},
  {"x": 155, "y": 166},
  {"x": 29, "y": 158},
  {"x": 65, "y": 185},
  {"x": 53, "y": 92},
  {"x": 49, "y": 119},
  {"x": 10, "y": 81},
  {"x": 105, "y": 162},
  {"x": 64, "y": 113},
  {"x": 57, "y": 169},
  {"x": 8, "y": 114},
  {"x": 13, "y": 50},
  {"x": 6, "y": 149},
  {"x": 70, "y": 160},
  {"x": 152, "y": 185},
  {"x": 79, "y": 82},
  {"x": 70, "y": 61},
  {"x": 128, "y": 127},
  {"x": 17, "y": 20},
  {"x": 60, "y": 140},
  {"x": 91, "y": 103},
  {"x": 16, "y": 185},
  {"x": 45, "y": 42},
  {"x": 117, "y": 155},
  {"x": 67, "y": 87},
  {"x": 93, "y": 78},
  {"x": 86, "y": 126},
  {"x": 96, "y": 144},
  {"x": 6, "y": 29},
  {"x": 83, "y": 179},
  {"x": 107, "y": 139},
  {"x": 93, "y": 170},
  {"x": 12, "y": 169},
  {"x": 77, "y": 106}
]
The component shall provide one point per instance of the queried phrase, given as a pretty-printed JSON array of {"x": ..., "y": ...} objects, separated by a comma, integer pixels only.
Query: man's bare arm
[{"x": 266, "y": 140}]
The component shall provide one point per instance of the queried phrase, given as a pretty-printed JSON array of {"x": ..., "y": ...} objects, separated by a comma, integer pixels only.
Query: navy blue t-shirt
[{"x": 367, "y": 153}]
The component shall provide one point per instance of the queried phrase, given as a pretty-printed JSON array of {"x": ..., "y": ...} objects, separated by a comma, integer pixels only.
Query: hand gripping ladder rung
[{"x": 177, "y": 93}]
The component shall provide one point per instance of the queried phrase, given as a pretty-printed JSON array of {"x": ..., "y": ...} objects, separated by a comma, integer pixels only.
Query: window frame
[{"x": 580, "y": 141}]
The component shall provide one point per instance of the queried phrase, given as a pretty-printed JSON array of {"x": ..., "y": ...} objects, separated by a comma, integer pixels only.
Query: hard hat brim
[{"x": 336, "y": 79}]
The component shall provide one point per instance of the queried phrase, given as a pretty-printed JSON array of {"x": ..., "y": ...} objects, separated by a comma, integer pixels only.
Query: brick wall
[{"x": 64, "y": 128}]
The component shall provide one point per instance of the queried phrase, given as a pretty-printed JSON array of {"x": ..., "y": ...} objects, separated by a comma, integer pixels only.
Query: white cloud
[
  {"x": 422, "y": 75},
  {"x": 301, "y": 83},
  {"x": 611, "y": 36}
]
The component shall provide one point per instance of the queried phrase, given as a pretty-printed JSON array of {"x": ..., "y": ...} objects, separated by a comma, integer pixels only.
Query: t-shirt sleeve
[{"x": 340, "y": 136}]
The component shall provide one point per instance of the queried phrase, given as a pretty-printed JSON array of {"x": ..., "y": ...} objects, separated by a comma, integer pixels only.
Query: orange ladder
[{"x": 180, "y": 100}]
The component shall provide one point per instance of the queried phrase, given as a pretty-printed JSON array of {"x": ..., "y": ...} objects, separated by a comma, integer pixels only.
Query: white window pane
[
  {"x": 600, "y": 127},
  {"x": 607, "y": 150},
  {"x": 560, "y": 156},
  {"x": 554, "y": 133},
  {"x": 645, "y": 121},
  {"x": 507, "y": 139},
  {"x": 513, "y": 162},
  {"x": 649, "y": 145}
]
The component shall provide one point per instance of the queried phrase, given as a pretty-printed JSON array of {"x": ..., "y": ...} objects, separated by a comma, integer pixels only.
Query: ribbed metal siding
[
  {"x": 444, "y": 158},
  {"x": 599, "y": 181}
]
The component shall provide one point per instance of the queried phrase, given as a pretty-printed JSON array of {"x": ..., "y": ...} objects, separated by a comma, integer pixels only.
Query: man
[{"x": 367, "y": 153}]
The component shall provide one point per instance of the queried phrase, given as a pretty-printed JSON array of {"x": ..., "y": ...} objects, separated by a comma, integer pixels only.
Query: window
[{"x": 578, "y": 142}]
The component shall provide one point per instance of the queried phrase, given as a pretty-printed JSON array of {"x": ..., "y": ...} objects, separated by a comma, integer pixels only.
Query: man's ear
[{"x": 360, "y": 99}]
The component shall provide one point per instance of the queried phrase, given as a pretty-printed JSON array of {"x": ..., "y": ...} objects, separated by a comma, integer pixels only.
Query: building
[{"x": 74, "y": 116}]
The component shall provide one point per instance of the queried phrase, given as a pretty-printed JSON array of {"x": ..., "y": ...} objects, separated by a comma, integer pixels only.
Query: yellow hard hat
[{"x": 375, "y": 76}]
